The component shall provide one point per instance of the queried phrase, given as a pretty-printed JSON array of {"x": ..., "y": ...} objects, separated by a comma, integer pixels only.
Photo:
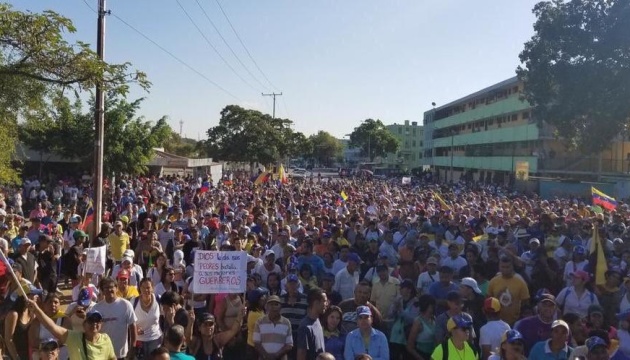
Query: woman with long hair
[
  {"x": 147, "y": 311},
  {"x": 148, "y": 250},
  {"x": 334, "y": 336},
  {"x": 155, "y": 272},
  {"x": 167, "y": 282},
  {"x": 273, "y": 284},
  {"x": 421, "y": 339},
  {"x": 404, "y": 310},
  {"x": 512, "y": 347},
  {"x": 204, "y": 341},
  {"x": 16, "y": 324}
]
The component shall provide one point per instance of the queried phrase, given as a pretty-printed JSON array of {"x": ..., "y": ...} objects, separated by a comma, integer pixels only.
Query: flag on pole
[
  {"x": 343, "y": 195},
  {"x": 205, "y": 186},
  {"x": 443, "y": 204},
  {"x": 603, "y": 200},
  {"x": 89, "y": 216},
  {"x": 597, "y": 259},
  {"x": 282, "y": 175},
  {"x": 262, "y": 178}
]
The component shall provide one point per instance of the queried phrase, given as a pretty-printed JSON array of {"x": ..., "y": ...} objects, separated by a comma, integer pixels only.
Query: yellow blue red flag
[{"x": 603, "y": 200}]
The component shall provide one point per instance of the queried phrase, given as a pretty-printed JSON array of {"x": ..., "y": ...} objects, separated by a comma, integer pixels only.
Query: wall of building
[{"x": 411, "y": 137}]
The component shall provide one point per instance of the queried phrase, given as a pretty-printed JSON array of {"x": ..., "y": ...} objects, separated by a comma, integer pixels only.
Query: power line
[
  {"x": 228, "y": 45},
  {"x": 212, "y": 46},
  {"x": 243, "y": 44},
  {"x": 169, "y": 53}
]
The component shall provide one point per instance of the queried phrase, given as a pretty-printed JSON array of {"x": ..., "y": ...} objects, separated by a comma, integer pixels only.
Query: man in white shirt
[
  {"x": 490, "y": 334},
  {"x": 341, "y": 263},
  {"x": 454, "y": 261},
  {"x": 348, "y": 278},
  {"x": 428, "y": 277},
  {"x": 119, "y": 319}
]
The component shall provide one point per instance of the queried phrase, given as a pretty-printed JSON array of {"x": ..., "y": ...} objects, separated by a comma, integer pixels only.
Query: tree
[
  {"x": 576, "y": 70},
  {"x": 68, "y": 131},
  {"x": 374, "y": 139},
  {"x": 180, "y": 146},
  {"x": 36, "y": 62},
  {"x": 249, "y": 136},
  {"x": 326, "y": 149}
]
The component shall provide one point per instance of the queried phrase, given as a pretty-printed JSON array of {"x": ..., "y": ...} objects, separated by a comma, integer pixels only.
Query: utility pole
[
  {"x": 99, "y": 144},
  {"x": 181, "y": 126},
  {"x": 274, "y": 101}
]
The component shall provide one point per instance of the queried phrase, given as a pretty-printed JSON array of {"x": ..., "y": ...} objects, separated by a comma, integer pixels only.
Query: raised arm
[{"x": 56, "y": 331}]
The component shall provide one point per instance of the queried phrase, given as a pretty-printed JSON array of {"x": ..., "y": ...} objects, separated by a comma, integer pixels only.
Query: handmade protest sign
[
  {"x": 95, "y": 262},
  {"x": 219, "y": 272}
]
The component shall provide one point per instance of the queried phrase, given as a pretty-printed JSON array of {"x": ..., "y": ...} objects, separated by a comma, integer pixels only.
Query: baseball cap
[
  {"x": 511, "y": 336},
  {"x": 432, "y": 260},
  {"x": 492, "y": 305},
  {"x": 364, "y": 310},
  {"x": 579, "y": 250},
  {"x": 48, "y": 344},
  {"x": 562, "y": 323},
  {"x": 471, "y": 283},
  {"x": 534, "y": 241},
  {"x": 129, "y": 253},
  {"x": 85, "y": 298},
  {"x": 123, "y": 274},
  {"x": 127, "y": 258},
  {"x": 206, "y": 317},
  {"x": 595, "y": 309},
  {"x": 94, "y": 316},
  {"x": 269, "y": 252},
  {"x": 594, "y": 342},
  {"x": 462, "y": 321},
  {"x": 274, "y": 298},
  {"x": 25, "y": 241},
  {"x": 292, "y": 277},
  {"x": 354, "y": 257},
  {"x": 30, "y": 289}
]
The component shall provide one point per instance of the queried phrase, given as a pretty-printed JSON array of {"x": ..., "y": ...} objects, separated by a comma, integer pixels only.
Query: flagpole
[{"x": 17, "y": 282}]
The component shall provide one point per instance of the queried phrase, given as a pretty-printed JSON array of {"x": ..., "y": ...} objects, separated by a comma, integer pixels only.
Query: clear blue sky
[{"x": 337, "y": 62}]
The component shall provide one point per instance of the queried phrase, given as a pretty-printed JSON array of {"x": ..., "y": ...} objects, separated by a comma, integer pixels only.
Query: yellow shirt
[
  {"x": 131, "y": 293},
  {"x": 511, "y": 293},
  {"x": 383, "y": 295},
  {"x": 466, "y": 354},
  {"x": 252, "y": 317},
  {"x": 343, "y": 241},
  {"x": 118, "y": 244},
  {"x": 101, "y": 349}
]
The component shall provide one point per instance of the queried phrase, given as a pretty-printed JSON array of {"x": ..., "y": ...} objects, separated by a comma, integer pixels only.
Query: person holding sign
[{"x": 207, "y": 342}]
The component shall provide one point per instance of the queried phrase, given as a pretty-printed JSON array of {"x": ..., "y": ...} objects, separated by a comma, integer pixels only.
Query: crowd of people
[{"x": 336, "y": 269}]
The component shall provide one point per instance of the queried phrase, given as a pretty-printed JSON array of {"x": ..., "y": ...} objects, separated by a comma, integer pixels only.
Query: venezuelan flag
[
  {"x": 597, "y": 259},
  {"x": 282, "y": 175},
  {"x": 603, "y": 200},
  {"x": 205, "y": 186},
  {"x": 89, "y": 216},
  {"x": 262, "y": 178},
  {"x": 343, "y": 195}
]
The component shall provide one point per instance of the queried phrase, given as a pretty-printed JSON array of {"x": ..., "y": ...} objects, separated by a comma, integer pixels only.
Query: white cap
[
  {"x": 129, "y": 253},
  {"x": 471, "y": 283},
  {"x": 534, "y": 241},
  {"x": 269, "y": 252}
]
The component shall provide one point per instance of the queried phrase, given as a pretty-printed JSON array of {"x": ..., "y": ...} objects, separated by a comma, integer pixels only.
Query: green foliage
[
  {"x": 374, "y": 140},
  {"x": 576, "y": 69},
  {"x": 251, "y": 136},
  {"x": 36, "y": 62},
  {"x": 177, "y": 145},
  {"x": 67, "y": 130},
  {"x": 326, "y": 149}
]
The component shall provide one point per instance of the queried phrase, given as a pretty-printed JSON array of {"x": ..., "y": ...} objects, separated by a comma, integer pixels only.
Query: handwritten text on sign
[{"x": 220, "y": 272}]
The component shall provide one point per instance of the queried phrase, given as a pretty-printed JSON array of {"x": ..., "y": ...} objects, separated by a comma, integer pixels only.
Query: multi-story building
[
  {"x": 409, "y": 155},
  {"x": 483, "y": 136}
]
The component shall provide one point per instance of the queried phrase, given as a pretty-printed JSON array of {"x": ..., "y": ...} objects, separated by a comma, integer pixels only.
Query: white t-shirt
[
  {"x": 491, "y": 333},
  {"x": 568, "y": 299},
  {"x": 165, "y": 236},
  {"x": 455, "y": 264},
  {"x": 570, "y": 268},
  {"x": 425, "y": 280},
  {"x": 134, "y": 278},
  {"x": 117, "y": 316},
  {"x": 148, "y": 321},
  {"x": 262, "y": 270}
]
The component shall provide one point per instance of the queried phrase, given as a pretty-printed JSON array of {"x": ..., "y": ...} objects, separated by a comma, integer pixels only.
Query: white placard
[
  {"x": 95, "y": 263},
  {"x": 220, "y": 272},
  {"x": 406, "y": 180}
]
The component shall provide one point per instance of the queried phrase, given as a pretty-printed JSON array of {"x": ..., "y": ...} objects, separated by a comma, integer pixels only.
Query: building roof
[{"x": 497, "y": 86}]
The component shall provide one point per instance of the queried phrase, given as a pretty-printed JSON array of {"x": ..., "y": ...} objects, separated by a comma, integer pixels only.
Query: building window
[
  {"x": 413, "y": 143},
  {"x": 514, "y": 117},
  {"x": 400, "y": 130},
  {"x": 526, "y": 115},
  {"x": 413, "y": 132}
]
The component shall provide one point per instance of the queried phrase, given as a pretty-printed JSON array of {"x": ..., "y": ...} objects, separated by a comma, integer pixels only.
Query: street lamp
[{"x": 452, "y": 149}]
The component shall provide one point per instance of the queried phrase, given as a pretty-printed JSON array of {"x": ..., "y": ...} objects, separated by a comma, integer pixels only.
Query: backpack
[
  {"x": 445, "y": 348},
  {"x": 564, "y": 299}
]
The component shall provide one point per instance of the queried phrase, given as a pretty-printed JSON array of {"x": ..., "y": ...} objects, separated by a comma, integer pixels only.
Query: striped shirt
[
  {"x": 296, "y": 312},
  {"x": 273, "y": 336}
]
